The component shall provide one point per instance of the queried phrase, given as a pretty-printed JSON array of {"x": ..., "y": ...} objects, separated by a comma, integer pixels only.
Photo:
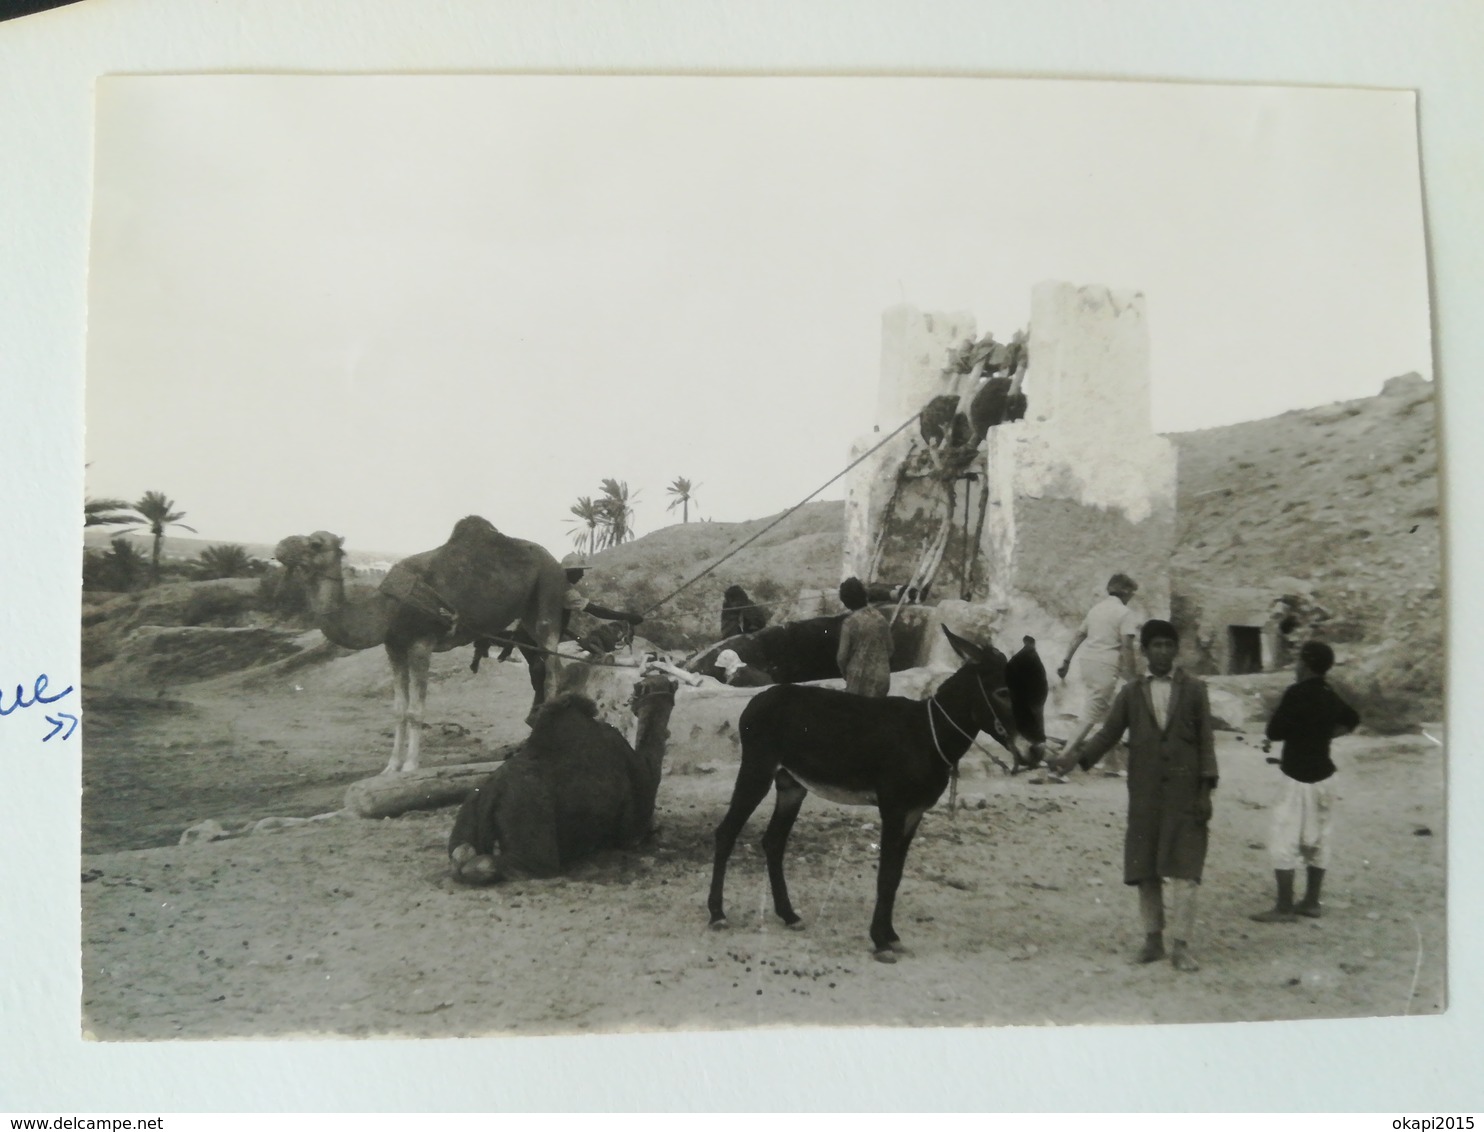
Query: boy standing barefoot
[{"x": 1309, "y": 716}]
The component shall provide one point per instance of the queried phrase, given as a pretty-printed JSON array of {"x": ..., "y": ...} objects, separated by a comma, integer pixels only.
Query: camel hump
[
  {"x": 574, "y": 702},
  {"x": 568, "y": 727},
  {"x": 473, "y": 528},
  {"x": 476, "y": 536}
]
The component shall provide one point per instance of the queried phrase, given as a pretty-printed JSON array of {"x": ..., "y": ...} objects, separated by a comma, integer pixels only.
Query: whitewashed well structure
[{"x": 1050, "y": 505}]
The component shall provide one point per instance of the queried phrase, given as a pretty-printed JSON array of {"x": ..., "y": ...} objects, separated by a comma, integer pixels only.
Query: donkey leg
[
  {"x": 897, "y": 830},
  {"x": 775, "y": 839},
  {"x": 754, "y": 780}
]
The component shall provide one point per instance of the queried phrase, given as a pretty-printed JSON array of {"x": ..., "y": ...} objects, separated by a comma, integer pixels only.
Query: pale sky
[{"x": 374, "y": 305}]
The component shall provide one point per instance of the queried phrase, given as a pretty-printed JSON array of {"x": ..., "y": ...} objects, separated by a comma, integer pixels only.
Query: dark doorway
[{"x": 1244, "y": 649}]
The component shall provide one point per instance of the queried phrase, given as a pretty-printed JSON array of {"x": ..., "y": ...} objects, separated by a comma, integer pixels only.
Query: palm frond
[{"x": 107, "y": 512}]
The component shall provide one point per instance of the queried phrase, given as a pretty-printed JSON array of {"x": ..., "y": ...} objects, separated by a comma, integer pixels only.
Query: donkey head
[{"x": 993, "y": 710}]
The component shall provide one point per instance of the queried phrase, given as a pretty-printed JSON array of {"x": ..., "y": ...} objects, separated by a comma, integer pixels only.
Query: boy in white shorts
[{"x": 1309, "y": 716}]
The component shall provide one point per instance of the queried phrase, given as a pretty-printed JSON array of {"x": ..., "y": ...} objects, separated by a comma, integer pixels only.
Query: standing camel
[
  {"x": 575, "y": 787},
  {"x": 476, "y": 584}
]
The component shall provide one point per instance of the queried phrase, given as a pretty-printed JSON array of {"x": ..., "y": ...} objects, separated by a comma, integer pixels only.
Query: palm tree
[
  {"x": 224, "y": 560},
  {"x": 158, "y": 511},
  {"x": 617, "y": 509},
  {"x": 683, "y": 491},
  {"x": 116, "y": 570},
  {"x": 585, "y": 528},
  {"x": 107, "y": 513}
]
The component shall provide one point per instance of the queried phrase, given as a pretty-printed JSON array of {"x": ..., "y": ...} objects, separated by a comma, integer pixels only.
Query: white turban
[{"x": 728, "y": 660}]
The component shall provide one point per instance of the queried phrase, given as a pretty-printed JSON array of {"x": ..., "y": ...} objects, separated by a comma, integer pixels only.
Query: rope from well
[{"x": 753, "y": 538}]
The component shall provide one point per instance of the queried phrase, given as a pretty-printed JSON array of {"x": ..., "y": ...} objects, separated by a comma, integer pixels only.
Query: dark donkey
[{"x": 893, "y": 753}]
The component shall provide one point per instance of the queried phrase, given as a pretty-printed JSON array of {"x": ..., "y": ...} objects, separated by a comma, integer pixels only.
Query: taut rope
[{"x": 753, "y": 538}]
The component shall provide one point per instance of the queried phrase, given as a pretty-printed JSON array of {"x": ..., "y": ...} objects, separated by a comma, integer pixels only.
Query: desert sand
[{"x": 1012, "y": 907}]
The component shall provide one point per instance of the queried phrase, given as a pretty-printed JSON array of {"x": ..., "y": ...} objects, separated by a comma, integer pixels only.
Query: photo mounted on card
[{"x": 591, "y": 554}]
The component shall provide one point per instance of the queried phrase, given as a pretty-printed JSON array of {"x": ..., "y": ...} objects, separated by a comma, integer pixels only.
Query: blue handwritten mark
[
  {"x": 59, "y": 724},
  {"x": 39, "y": 696}
]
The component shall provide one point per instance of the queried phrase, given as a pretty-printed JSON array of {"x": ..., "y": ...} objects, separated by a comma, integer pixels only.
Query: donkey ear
[{"x": 966, "y": 649}]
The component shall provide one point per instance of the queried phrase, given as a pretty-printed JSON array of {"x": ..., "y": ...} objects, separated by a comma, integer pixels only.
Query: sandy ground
[{"x": 1014, "y": 909}]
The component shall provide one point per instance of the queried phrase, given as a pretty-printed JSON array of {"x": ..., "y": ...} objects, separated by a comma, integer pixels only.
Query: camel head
[
  {"x": 316, "y": 556},
  {"x": 291, "y": 551},
  {"x": 651, "y": 686}
]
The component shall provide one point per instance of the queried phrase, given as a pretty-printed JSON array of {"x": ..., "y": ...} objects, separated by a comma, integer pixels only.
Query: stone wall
[
  {"x": 1082, "y": 487},
  {"x": 1281, "y": 615},
  {"x": 913, "y": 347},
  {"x": 894, "y": 492}
]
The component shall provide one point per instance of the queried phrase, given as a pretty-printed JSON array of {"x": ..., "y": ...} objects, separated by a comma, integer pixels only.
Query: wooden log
[{"x": 386, "y": 796}]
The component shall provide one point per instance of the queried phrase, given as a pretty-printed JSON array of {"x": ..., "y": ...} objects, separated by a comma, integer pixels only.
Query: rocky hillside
[
  {"x": 794, "y": 568},
  {"x": 1341, "y": 501}
]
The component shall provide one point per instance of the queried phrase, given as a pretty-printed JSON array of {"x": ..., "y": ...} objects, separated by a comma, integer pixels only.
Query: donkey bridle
[{"x": 999, "y": 731}]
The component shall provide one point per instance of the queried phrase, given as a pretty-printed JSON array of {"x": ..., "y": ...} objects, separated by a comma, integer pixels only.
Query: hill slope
[
  {"x": 1343, "y": 499},
  {"x": 799, "y": 556}
]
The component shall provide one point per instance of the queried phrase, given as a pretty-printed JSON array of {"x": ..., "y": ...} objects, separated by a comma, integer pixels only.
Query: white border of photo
[{"x": 48, "y": 63}]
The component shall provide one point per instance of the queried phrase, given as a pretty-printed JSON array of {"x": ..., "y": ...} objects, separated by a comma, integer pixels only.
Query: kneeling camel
[
  {"x": 575, "y": 787},
  {"x": 894, "y": 753}
]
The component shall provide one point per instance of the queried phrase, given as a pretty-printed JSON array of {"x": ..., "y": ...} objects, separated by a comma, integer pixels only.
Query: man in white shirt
[{"x": 1106, "y": 639}]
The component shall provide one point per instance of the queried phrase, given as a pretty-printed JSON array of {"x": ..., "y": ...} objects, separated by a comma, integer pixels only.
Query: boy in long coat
[{"x": 1171, "y": 774}]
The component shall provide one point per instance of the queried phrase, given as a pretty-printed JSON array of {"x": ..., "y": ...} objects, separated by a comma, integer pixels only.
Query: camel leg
[
  {"x": 536, "y": 667},
  {"x": 785, "y": 809},
  {"x": 754, "y": 780},
  {"x": 526, "y": 824},
  {"x": 546, "y": 634},
  {"x": 398, "y": 658},
  {"x": 897, "y": 830},
  {"x": 473, "y": 834},
  {"x": 419, "y": 656},
  {"x": 519, "y": 817}
]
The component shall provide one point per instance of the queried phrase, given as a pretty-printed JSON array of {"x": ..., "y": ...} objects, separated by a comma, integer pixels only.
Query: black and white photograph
[{"x": 596, "y": 554}]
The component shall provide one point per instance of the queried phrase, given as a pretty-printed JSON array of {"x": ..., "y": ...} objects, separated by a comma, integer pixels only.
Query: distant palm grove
[
  {"x": 607, "y": 519},
  {"x": 599, "y": 522},
  {"x": 124, "y": 567}
]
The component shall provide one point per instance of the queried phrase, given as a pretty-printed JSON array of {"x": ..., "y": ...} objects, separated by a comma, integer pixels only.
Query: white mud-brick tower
[
  {"x": 1082, "y": 487},
  {"x": 1052, "y": 504},
  {"x": 893, "y": 512}
]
